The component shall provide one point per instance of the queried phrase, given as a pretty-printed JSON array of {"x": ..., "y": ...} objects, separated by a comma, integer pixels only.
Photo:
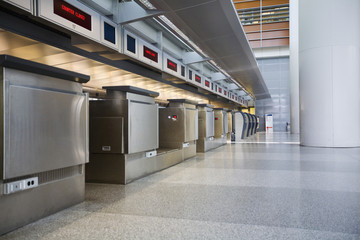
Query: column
[
  {"x": 329, "y": 64},
  {"x": 294, "y": 67}
]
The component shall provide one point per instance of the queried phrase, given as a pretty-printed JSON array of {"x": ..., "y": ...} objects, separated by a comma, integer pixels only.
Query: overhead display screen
[
  {"x": 171, "y": 65},
  {"x": 207, "y": 83},
  {"x": 183, "y": 71},
  {"x": 109, "y": 33},
  {"x": 220, "y": 90},
  {"x": 73, "y": 14},
  {"x": 224, "y": 92},
  {"x": 131, "y": 44},
  {"x": 150, "y": 54},
  {"x": 197, "y": 78}
]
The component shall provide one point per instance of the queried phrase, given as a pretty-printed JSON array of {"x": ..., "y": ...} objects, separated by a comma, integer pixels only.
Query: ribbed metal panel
[{"x": 54, "y": 175}]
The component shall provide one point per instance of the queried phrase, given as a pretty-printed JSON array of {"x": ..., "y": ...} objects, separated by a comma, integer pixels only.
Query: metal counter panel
[
  {"x": 172, "y": 130},
  {"x": 107, "y": 135},
  {"x": 191, "y": 129},
  {"x": 210, "y": 124},
  {"x": 225, "y": 121},
  {"x": 143, "y": 124},
  {"x": 46, "y": 130}
]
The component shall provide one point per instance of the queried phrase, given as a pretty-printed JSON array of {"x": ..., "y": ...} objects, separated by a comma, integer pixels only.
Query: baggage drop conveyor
[{"x": 123, "y": 136}]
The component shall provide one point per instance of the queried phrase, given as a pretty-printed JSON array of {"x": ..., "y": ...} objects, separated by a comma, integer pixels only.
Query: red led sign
[
  {"x": 171, "y": 65},
  {"x": 224, "y": 92},
  {"x": 216, "y": 118},
  {"x": 220, "y": 89},
  {"x": 232, "y": 96},
  {"x": 73, "y": 14},
  {"x": 207, "y": 83},
  {"x": 150, "y": 54},
  {"x": 197, "y": 78}
]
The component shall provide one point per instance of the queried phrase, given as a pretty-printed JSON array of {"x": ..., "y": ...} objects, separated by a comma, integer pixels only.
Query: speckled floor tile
[
  {"x": 275, "y": 190},
  {"x": 116, "y": 226}
]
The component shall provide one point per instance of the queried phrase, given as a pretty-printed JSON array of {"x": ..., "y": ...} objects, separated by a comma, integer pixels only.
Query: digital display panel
[
  {"x": 131, "y": 44},
  {"x": 150, "y": 54},
  {"x": 220, "y": 90},
  {"x": 233, "y": 97},
  {"x": 171, "y": 65},
  {"x": 197, "y": 78},
  {"x": 73, "y": 14},
  {"x": 109, "y": 33},
  {"x": 207, "y": 83},
  {"x": 183, "y": 71},
  {"x": 225, "y": 92}
]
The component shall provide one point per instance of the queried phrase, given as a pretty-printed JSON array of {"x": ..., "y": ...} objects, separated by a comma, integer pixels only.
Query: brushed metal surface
[
  {"x": 191, "y": 124},
  {"x": 27, "y": 206},
  {"x": 143, "y": 123},
  {"x": 183, "y": 128},
  {"x": 43, "y": 125},
  {"x": 210, "y": 125},
  {"x": 171, "y": 130},
  {"x": 219, "y": 123},
  {"x": 107, "y": 135}
]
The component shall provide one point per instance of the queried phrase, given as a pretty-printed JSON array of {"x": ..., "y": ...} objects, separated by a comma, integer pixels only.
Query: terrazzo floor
[{"x": 266, "y": 187}]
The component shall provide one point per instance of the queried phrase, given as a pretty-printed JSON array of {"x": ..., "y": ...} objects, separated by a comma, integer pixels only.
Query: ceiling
[
  {"x": 214, "y": 26},
  {"x": 100, "y": 74}
]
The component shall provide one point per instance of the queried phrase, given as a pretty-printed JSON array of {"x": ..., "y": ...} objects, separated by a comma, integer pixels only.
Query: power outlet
[
  {"x": 185, "y": 145},
  {"x": 151, "y": 154},
  {"x": 21, "y": 185}
]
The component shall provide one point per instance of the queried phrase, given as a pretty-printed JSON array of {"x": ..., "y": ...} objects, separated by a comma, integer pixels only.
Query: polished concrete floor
[{"x": 267, "y": 187}]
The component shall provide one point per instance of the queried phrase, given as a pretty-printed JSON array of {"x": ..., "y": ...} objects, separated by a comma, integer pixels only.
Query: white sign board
[{"x": 269, "y": 123}]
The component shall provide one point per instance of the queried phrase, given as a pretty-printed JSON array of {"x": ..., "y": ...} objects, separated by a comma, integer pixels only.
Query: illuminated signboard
[
  {"x": 73, "y": 14},
  {"x": 150, "y": 54},
  {"x": 171, "y": 65},
  {"x": 220, "y": 90},
  {"x": 232, "y": 96},
  {"x": 207, "y": 83},
  {"x": 225, "y": 92},
  {"x": 197, "y": 78}
]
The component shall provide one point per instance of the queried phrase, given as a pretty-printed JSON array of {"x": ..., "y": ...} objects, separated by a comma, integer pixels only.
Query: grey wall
[{"x": 276, "y": 75}]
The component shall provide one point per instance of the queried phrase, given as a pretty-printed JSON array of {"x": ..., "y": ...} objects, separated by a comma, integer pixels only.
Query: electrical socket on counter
[{"x": 20, "y": 185}]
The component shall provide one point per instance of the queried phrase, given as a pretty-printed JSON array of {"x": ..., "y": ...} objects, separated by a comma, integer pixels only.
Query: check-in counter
[
  {"x": 124, "y": 135},
  {"x": 178, "y": 128},
  {"x": 44, "y": 121}
]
